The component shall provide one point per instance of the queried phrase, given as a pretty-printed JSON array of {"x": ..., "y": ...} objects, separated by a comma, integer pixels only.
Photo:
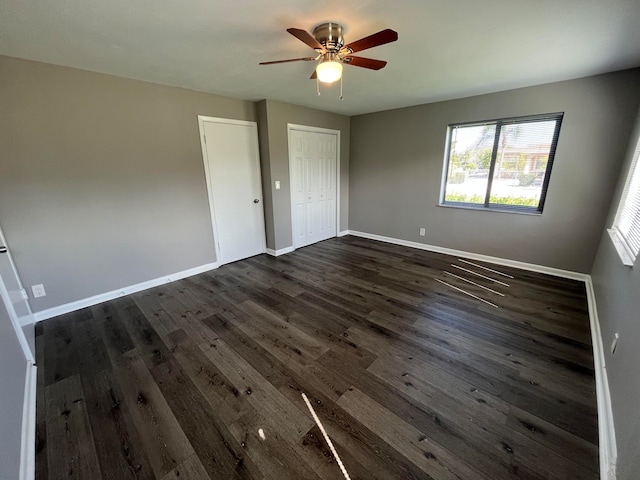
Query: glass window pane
[
  {"x": 521, "y": 163},
  {"x": 469, "y": 163}
]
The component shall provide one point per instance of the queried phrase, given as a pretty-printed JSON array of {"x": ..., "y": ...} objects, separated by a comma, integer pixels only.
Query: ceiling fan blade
[
  {"x": 380, "y": 38},
  {"x": 303, "y": 59},
  {"x": 369, "y": 63},
  {"x": 305, "y": 37},
  {"x": 314, "y": 75}
]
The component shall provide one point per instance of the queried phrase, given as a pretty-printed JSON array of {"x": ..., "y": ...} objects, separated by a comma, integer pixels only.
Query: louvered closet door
[{"x": 313, "y": 159}]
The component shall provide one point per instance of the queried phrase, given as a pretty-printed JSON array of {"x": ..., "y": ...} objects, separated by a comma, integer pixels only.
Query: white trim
[
  {"x": 15, "y": 322},
  {"x": 306, "y": 128},
  {"x": 207, "y": 174},
  {"x": 28, "y": 439},
  {"x": 121, "y": 292},
  {"x": 282, "y": 251},
  {"x": 625, "y": 233},
  {"x": 5, "y": 297},
  {"x": 622, "y": 247},
  {"x": 445, "y": 167},
  {"x": 343, "y": 233},
  {"x": 532, "y": 267},
  {"x": 606, "y": 429}
]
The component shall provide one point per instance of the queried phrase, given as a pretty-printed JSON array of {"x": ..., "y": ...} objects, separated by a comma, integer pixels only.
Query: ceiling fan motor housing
[{"x": 330, "y": 36}]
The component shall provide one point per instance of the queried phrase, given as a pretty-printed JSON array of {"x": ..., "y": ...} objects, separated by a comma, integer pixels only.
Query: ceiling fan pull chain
[
  {"x": 341, "y": 97},
  {"x": 317, "y": 86}
]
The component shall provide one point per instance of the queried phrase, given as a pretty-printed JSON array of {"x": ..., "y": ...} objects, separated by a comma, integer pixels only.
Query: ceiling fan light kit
[
  {"x": 329, "y": 70},
  {"x": 328, "y": 42}
]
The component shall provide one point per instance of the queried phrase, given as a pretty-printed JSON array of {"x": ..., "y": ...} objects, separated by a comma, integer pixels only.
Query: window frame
[
  {"x": 499, "y": 123},
  {"x": 629, "y": 199}
]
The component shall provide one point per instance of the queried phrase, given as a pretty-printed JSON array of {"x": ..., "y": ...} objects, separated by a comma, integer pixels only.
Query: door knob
[
  {"x": 3, "y": 249},
  {"x": 255, "y": 200}
]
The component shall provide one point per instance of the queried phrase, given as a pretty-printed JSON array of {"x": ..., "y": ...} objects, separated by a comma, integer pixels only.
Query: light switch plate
[{"x": 277, "y": 184}]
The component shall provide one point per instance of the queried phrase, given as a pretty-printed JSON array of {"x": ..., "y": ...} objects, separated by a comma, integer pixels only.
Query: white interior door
[
  {"x": 313, "y": 169},
  {"x": 232, "y": 165}
]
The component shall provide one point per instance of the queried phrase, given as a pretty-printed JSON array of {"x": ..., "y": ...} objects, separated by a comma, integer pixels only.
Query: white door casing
[
  {"x": 232, "y": 171},
  {"x": 15, "y": 297},
  {"x": 314, "y": 165},
  {"x": 19, "y": 361}
]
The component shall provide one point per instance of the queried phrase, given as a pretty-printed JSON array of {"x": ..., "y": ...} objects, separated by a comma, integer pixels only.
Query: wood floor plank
[
  {"x": 202, "y": 378},
  {"x": 118, "y": 445},
  {"x": 208, "y": 435},
  {"x": 223, "y": 397},
  {"x": 409, "y": 441},
  {"x": 569, "y": 446},
  {"x": 574, "y": 417},
  {"x": 191, "y": 469},
  {"x": 148, "y": 343},
  {"x": 115, "y": 337},
  {"x": 468, "y": 400},
  {"x": 162, "y": 437},
  {"x": 422, "y": 415},
  {"x": 284, "y": 416},
  {"x": 353, "y": 438},
  {"x": 59, "y": 344},
  {"x": 275, "y": 452},
  {"x": 483, "y": 432},
  {"x": 69, "y": 432}
]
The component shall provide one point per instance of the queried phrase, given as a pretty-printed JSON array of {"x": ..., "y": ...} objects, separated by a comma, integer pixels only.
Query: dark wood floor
[{"x": 411, "y": 378}]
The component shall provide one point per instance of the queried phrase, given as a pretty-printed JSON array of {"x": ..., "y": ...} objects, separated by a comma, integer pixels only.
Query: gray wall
[
  {"x": 101, "y": 178},
  {"x": 13, "y": 365},
  {"x": 617, "y": 290},
  {"x": 276, "y": 161},
  {"x": 397, "y": 161}
]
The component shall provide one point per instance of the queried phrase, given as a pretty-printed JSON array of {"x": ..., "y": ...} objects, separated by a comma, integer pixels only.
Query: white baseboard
[
  {"x": 607, "y": 436},
  {"x": 532, "y": 267},
  {"x": 282, "y": 251},
  {"x": 104, "y": 297},
  {"x": 28, "y": 448},
  {"x": 343, "y": 233}
]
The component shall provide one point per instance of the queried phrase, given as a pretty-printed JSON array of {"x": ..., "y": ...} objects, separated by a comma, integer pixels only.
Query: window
[
  {"x": 501, "y": 164},
  {"x": 625, "y": 231}
]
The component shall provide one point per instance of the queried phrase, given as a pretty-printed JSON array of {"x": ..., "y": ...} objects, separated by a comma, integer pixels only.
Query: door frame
[
  {"x": 306, "y": 128},
  {"x": 6, "y": 299},
  {"x": 202, "y": 119},
  {"x": 28, "y": 434}
]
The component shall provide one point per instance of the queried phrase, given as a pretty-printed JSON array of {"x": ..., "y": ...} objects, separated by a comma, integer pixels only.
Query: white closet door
[
  {"x": 313, "y": 158},
  {"x": 327, "y": 185},
  {"x": 298, "y": 193}
]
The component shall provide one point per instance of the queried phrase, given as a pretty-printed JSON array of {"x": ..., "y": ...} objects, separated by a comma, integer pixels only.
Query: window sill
[
  {"x": 492, "y": 209},
  {"x": 625, "y": 256}
]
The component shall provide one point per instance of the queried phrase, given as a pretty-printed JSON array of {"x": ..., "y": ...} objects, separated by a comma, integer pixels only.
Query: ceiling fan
[{"x": 332, "y": 53}]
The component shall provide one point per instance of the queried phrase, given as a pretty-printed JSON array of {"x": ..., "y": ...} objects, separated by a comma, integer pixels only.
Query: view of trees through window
[{"x": 502, "y": 163}]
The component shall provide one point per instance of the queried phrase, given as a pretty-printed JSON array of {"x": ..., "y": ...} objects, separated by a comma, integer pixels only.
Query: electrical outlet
[
  {"x": 277, "y": 184},
  {"x": 423, "y": 232},
  {"x": 38, "y": 291}
]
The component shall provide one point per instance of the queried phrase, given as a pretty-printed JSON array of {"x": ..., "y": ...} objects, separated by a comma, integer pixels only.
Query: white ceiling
[{"x": 446, "y": 49}]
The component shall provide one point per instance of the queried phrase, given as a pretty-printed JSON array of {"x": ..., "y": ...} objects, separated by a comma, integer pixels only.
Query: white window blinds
[{"x": 625, "y": 231}]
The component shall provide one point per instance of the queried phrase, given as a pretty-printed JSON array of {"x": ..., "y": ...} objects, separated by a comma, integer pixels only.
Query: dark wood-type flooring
[{"x": 411, "y": 378}]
